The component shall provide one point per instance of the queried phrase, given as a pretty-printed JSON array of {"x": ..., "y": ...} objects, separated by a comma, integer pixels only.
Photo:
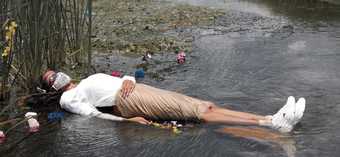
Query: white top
[{"x": 98, "y": 90}]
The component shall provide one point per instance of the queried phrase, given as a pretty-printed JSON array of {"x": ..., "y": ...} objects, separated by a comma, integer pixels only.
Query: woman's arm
[
  {"x": 109, "y": 117},
  {"x": 92, "y": 111},
  {"x": 106, "y": 116}
]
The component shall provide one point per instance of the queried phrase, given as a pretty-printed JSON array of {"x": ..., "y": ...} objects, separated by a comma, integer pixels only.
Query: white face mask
[{"x": 61, "y": 81}]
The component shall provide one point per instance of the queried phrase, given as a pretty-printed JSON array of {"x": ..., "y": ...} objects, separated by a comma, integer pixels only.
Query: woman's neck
[{"x": 70, "y": 86}]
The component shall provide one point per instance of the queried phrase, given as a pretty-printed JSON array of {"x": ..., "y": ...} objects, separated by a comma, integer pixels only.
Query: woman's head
[
  {"x": 54, "y": 83},
  {"x": 55, "y": 80}
]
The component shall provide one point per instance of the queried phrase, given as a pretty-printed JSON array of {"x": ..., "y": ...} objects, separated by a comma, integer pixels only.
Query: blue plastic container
[{"x": 139, "y": 73}]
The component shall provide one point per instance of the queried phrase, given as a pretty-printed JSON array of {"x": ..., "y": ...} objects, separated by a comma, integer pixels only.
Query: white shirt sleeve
[
  {"x": 77, "y": 103},
  {"x": 81, "y": 108}
]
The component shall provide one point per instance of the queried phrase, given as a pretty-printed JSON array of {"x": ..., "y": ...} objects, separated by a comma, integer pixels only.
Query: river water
[{"x": 267, "y": 52}]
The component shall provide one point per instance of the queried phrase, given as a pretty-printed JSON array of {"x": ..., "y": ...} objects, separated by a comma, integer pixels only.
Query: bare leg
[
  {"x": 216, "y": 114},
  {"x": 236, "y": 114},
  {"x": 278, "y": 121},
  {"x": 214, "y": 117}
]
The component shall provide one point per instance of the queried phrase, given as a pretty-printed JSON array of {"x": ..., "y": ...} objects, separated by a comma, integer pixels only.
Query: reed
[{"x": 49, "y": 34}]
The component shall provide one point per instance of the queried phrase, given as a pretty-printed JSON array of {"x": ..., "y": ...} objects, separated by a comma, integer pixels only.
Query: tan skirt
[{"x": 157, "y": 104}]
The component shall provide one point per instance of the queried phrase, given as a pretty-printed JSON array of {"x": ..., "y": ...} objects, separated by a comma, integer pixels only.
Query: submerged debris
[
  {"x": 116, "y": 73},
  {"x": 181, "y": 57},
  {"x": 172, "y": 125},
  {"x": 146, "y": 57}
]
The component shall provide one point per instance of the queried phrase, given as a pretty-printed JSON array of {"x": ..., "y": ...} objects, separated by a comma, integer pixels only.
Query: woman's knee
[
  {"x": 210, "y": 104},
  {"x": 210, "y": 107}
]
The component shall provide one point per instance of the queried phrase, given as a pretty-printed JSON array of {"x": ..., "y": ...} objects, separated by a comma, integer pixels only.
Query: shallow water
[{"x": 271, "y": 49}]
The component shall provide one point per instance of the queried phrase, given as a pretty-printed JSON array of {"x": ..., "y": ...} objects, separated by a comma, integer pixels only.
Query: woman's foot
[
  {"x": 289, "y": 115},
  {"x": 299, "y": 110}
]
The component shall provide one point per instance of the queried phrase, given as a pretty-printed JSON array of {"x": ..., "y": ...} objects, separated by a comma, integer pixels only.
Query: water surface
[{"x": 271, "y": 49}]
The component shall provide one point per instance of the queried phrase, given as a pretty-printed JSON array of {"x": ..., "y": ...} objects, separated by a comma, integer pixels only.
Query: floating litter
[
  {"x": 139, "y": 73},
  {"x": 116, "y": 74},
  {"x": 172, "y": 125},
  {"x": 32, "y": 122},
  {"x": 55, "y": 116},
  {"x": 181, "y": 57},
  {"x": 2, "y": 137},
  {"x": 146, "y": 57}
]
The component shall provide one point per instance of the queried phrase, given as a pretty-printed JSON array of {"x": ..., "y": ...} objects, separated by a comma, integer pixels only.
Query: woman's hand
[
  {"x": 139, "y": 120},
  {"x": 127, "y": 88}
]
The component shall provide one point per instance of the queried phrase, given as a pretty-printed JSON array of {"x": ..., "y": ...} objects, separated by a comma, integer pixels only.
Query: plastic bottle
[
  {"x": 32, "y": 122},
  {"x": 116, "y": 74},
  {"x": 139, "y": 73},
  {"x": 2, "y": 137},
  {"x": 181, "y": 57}
]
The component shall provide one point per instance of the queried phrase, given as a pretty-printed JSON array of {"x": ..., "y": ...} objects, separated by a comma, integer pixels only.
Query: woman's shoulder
[
  {"x": 68, "y": 96},
  {"x": 98, "y": 78},
  {"x": 98, "y": 75}
]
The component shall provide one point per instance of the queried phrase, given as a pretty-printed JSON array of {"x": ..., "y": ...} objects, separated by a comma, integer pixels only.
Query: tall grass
[{"x": 50, "y": 34}]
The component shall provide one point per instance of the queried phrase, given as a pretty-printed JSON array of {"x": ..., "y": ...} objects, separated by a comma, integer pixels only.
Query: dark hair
[
  {"x": 44, "y": 102},
  {"x": 45, "y": 98}
]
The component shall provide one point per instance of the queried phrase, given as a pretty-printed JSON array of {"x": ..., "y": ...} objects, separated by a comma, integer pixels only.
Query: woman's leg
[
  {"x": 214, "y": 117},
  {"x": 216, "y": 114},
  {"x": 236, "y": 114}
]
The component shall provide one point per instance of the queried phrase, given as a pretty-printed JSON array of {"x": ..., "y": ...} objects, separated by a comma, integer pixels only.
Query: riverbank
[{"x": 137, "y": 27}]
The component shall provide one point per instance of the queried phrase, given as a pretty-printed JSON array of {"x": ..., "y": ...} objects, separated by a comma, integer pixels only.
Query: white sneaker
[
  {"x": 289, "y": 115},
  {"x": 299, "y": 110},
  {"x": 295, "y": 112},
  {"x": 288, "y": 109},
  {"x": 282, "y": 120}
]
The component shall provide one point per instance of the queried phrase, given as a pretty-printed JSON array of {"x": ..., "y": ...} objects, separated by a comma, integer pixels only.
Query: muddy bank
[{"x": 136, "y": 27}]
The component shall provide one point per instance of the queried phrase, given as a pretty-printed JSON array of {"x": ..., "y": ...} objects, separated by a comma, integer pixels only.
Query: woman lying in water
[{"x": 136, "y": 102}]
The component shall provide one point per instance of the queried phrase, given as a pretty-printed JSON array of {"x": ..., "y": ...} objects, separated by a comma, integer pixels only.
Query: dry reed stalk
[{"x": 48, "y": 31}]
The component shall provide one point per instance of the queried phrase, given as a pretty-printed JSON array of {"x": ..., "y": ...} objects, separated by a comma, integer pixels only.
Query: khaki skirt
[{"x": 157, "y": 104}]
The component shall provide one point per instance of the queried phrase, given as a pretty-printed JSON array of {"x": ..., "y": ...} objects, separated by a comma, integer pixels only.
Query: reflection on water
[
  {"x": 253, "y": 69},
  {"x": 310, "y": 10},
  {"x": 287, "y": 143},
  {"x": 239, "y": 5}
]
